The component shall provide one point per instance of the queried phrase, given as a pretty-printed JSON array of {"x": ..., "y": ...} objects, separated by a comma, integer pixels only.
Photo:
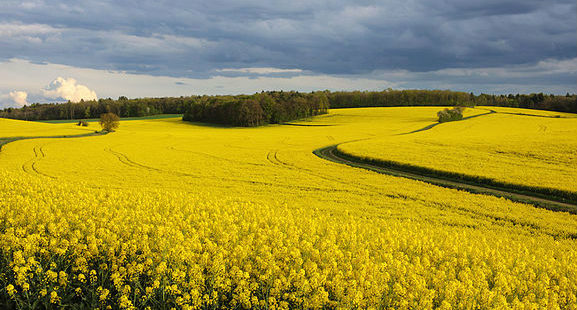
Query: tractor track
[
  {"x": 127, "y": 161},
  {"x": 30, "y": 165},
  {"x": 332, "y": 154},
  {"x": 363, "y": 189},
  {"x": 124, "y": 159}
]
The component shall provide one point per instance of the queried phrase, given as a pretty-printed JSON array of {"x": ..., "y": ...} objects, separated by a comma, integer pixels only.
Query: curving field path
[
  {"x": 4, "y": 141},
  {"x": 331, "y": 153}
]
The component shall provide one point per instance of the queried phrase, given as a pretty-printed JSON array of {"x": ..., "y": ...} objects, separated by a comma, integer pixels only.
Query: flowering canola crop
[
  {"x": 536, "y": 150},
  {"x": 15, "y": 128},
  {"x": 165, "y": 214}
]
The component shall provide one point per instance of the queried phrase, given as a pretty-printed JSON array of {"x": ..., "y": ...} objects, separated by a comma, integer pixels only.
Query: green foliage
[
  {"x": 449, "y": 115},
  {"x": 93, "y": 109},
  {"x": 258, "y": 109},
  {"x": 397, "y": 98},
  {"x": 109, "y": 121}
]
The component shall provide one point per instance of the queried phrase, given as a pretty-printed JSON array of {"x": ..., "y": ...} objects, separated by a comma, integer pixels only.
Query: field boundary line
[
  {"x": 512, "y": 192},
  {"x": 527, "y": 114},
  {"x": 4, "y": 141}
]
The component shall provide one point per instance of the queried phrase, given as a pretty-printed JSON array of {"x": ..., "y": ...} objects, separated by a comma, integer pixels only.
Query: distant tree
[{"x": 109, "y": 121}]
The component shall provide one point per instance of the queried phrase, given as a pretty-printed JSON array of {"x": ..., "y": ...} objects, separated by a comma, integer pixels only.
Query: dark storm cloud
[{"x": 195, "y": 39}]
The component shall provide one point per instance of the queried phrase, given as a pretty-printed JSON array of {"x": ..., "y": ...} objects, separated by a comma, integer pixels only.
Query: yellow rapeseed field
[
  {"x": 15, "y": 128},
  {"x": 164, "y": 213},
  {"x": 535, "y": 150}
]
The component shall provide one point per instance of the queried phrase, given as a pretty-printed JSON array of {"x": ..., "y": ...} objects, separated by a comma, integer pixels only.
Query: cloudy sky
[{"x": 54, "y": 50}]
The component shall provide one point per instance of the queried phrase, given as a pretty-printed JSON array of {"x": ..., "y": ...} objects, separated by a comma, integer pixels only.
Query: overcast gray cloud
[{"x": 202, "y": 39}]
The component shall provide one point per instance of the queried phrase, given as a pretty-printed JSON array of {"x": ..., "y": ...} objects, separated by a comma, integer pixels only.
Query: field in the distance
[
  {"x": 530, "y": 148},
  {"x": 15, "y": 128},
  {"x": 166, "y": 213}
]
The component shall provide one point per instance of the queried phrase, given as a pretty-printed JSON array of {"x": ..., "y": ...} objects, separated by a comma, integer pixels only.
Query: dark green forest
[
  {"x": 258, "y": 109},
  {"x": 279, "y": 106},
  {"x": 392, "y": 98}
]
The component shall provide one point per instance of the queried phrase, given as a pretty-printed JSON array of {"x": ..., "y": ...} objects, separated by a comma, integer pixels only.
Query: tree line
[
  {"x": 278, "y": 106},
  {"x": 258, "y": 109},
  {"x": 395, "y": 98},
  {"x": 92, "y": 109},
  {"x": 540, "y": 101}
]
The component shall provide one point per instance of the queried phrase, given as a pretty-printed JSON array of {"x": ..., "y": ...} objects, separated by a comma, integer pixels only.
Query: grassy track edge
[
  {"x": 566, "y": 202},
  {"x": 4, "y": 141}
]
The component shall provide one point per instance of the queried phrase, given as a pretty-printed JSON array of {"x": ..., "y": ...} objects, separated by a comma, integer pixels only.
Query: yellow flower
[
  {"x": 104, "y": 295},
  {"x": 125, "y": 303},
  {"x": 156, "y": 284},
  {"x": 54, "y": 298},
  {"x": 11, "y": 290},
  {"x": 93, "y": 276},
  {"x": 148, "y": 290},
  {"x": 62, "y": 278},
  {"x": 52, "y": 276}
]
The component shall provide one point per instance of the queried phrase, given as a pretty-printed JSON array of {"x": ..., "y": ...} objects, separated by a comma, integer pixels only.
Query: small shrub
[
  {"x": 449, "y": 115},
  {"x": 82, "y": 123}
]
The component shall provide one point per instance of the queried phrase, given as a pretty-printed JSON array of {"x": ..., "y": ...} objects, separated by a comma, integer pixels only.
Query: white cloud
[
  {"x": 558, "y": 66},
  {"x": 27, "y": 5},
  {"x": 265, "y": 70},
  {"x": 17, "y": 30},
  {"x": 19, "y": 97},
  {"x": 13, "y": 34},
  {"x": 69, "y": 90}
]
